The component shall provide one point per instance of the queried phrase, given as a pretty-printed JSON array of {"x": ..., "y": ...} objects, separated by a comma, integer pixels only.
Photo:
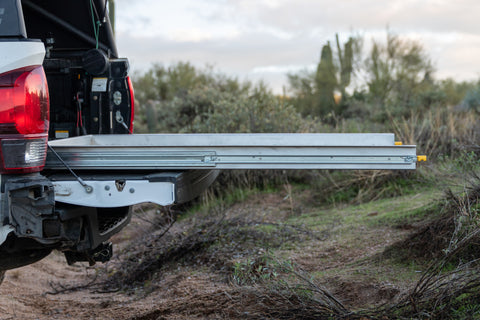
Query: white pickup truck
[
  {"x": 59, "y": 77},
  {"x": 70, "y": 167}
]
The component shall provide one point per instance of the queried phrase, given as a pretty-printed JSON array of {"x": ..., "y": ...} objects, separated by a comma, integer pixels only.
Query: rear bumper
[
  {"x": 117, "y": 189},
  {"x": 53, "y": 208}
]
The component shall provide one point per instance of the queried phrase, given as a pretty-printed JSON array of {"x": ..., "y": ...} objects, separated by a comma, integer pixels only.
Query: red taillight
[
  {"x": 132, "y": 104},
  {"x": 24, "y": 120}
]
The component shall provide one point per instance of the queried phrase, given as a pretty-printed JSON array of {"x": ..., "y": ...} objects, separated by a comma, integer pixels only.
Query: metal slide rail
[
  {"x": 231, "y": 151},
  {"x": 110, "y": 163}
]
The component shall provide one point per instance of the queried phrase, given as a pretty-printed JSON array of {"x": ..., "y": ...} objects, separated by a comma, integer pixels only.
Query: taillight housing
[
  {"x": 24, "y": 120},
  {"x": 132, "y": 104}
]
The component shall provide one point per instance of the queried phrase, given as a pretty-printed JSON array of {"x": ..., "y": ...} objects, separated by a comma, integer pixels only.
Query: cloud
[
  {"x": 252, "y": 57},
  {"x": 302, "y": 15},
  {"x": 266, "y": 38},
  {"x": 282, "y": 69},
  {"x": 183, "y": 20},
  {"x": 243, "y": 53}
]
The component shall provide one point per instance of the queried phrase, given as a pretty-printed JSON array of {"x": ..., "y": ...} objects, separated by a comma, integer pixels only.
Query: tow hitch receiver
[{"x": 102, "y": 253}]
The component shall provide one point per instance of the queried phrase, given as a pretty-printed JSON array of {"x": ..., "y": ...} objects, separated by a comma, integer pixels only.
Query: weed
[
  {"x": 256, "y": 270},
  {"x": 355, "y": 187},
  {"x": 449, "y": 288},
  {"x": 283, "y": 291}
]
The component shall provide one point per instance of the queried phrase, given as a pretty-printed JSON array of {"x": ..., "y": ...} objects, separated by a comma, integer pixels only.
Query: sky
[{"x": 266, "y": 39}]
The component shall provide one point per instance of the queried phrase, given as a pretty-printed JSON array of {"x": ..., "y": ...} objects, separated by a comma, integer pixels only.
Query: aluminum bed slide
[
  {"x": 231, "y": 151},
  {"x": 121, "y": 170}
]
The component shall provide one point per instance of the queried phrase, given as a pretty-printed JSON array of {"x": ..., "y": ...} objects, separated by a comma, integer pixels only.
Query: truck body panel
[{"x": 20, "y": 53}]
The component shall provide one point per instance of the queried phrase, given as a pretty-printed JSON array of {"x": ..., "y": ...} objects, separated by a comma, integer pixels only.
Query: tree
[
  {"x": 182, "y": 98},
  {"x": 157, "y": 87},
  {"x": 302, "y": 88},
  {"x": 398, "y": 72}
]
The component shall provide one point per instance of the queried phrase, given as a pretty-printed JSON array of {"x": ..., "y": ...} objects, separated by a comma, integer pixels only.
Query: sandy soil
[{"x": 185, "y": 292}]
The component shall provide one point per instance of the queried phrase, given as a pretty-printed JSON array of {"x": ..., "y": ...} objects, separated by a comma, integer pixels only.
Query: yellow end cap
[
  {"x": 398, "y": 143},
  {"x": 421, "y": 158}
]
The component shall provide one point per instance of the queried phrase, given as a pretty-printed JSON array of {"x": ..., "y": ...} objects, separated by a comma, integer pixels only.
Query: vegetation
[{"x": 392, "y": 89}]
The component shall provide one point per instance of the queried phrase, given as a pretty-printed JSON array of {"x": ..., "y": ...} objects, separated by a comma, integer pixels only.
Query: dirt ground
[{"x": 198, "y": 291}]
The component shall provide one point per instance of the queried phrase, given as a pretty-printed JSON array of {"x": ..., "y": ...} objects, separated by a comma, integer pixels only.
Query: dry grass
[
  {"x": 440, "y": 132},
  {"x": 450, "y": 287},
  {"x": 211, "y": 240}
]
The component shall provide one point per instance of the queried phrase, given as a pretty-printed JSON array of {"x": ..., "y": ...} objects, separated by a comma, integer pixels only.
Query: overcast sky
[{"x": 265, "y": 39}]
